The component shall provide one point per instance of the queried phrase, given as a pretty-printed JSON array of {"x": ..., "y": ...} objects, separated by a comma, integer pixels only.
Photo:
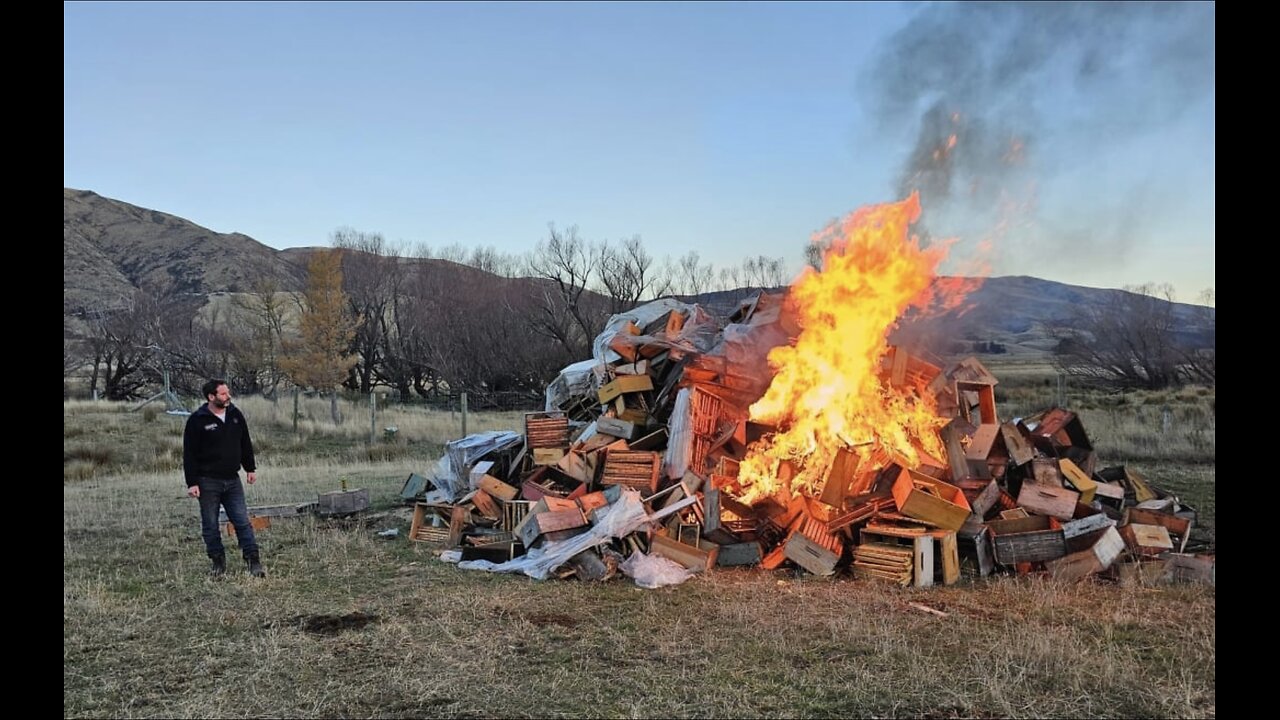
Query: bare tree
[
  {"x": 455, "y": 253},
  {"x": 626, "y": 274},
  {"x": 1200, "y": 355},
  {"x": 73, "y": 351},
  {"x": 763, "y": 273},
  {"x": 562, "y": 309},
  {"x": 692, "y": 277},
  {"x": 1126, "y": 341},
  {"x": 373, "y": 275},
  {"x": 257, "y": 346},
  {"x": 121, "y": 343},
  {"x": 211, "y": 345},
  {"x": 490, "y": 260},
  {"x": 730, "y": 277},
  {"x": 481, "y": 337},
  {"x": 406, "y": 365}
]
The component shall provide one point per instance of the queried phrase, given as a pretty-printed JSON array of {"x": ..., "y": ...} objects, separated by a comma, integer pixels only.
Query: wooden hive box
[
  {"x": 744, "y": 553},
  {"x": 1057, "y": 502},
  {"x": 624, "y": 384},
  {"x": 551, "y": 525},
  {"x": 1147, "y": 539},
  {"x": 696, "y": 558},
  {"x": 546, "y": 430},
  {"x": 931, "y": 500},
  {"x": 343, "y": 502},
  {"x": 423, "y": 528},
  {"x": 974, "y": 547},
  {"x": 1030, "y": 539},
  {"x": 549, "y": 481},
  {"x": 1079, "y": 480},
  {"x": 1176, "y": 526},
  {"x": 635, "y": 469},
  {"x": 257, "y": 522},
  {"x": 1105, "y": 546},
  {"x": 813, "y": 548}
]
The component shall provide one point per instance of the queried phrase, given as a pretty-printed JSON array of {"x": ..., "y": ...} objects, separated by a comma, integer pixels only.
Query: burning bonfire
[
  {"x": 828, "y": 394},
  {"x": 795, "y": 433}
]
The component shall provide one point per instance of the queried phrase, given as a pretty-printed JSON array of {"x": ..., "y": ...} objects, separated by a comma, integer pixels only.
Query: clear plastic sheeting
[
  {"x": 623, "y": 518},
  {"x": 680, "y": 429},
  {"x": 576, "y": 380},
  {"x": 452, "y": 475},
  {"x": 699, "y": 332},
  {"x": 444, "y": 482},
  {"x": 653, "y": 571}
]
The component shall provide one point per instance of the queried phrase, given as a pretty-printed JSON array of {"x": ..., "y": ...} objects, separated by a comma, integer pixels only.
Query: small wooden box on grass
[
  {"x": 928, "y": 549},
  {"x": 1034, "y": 538},
  {"x": 696, "y": 558},
  {"x": 343, "y": 502},
  {"x": 430, "y": 522},
  {"x": 1176, "y": 526},
  {"x": 1104, "y": 547},
  {"x": 745, "y": 553},
  {"x": 257, "y": 522},
  {"x": 974, "y": 544},
  {"x": 1147, "y": 539}
]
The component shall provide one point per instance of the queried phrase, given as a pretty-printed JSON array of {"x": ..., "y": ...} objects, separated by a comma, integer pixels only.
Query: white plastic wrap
[
  {"x": 699, "y": 332},
  {"x": 447, "y": 486},
  {"x": 574, "y": 380},
  {"x": 653, "y": 571},
  {"x": 641, "y": 315},
  {"x": 622, "y": 518},
  {"x": 680, "y": 431},
  {"x": 452, "y": 473}
]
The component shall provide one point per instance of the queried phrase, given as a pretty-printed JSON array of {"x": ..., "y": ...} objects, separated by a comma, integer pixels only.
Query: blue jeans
[{"x": 228, "y": 493}]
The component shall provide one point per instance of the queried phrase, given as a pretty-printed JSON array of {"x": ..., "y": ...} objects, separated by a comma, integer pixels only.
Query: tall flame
[{"x": 827, "y": 392}]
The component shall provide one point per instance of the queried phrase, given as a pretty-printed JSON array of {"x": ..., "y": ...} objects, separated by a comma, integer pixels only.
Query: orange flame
[{"x": 827, "y": 392}]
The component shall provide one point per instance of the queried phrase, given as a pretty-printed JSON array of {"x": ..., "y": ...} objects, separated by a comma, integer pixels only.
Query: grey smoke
[{"x": 993, "y": 74}]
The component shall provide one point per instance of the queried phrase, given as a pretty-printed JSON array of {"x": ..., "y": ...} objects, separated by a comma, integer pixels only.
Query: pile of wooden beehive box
[{"x": 668, "y": 418}]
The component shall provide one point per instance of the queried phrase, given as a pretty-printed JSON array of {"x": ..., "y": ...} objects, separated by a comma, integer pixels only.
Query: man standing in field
[{"x": 215, "y": 445}]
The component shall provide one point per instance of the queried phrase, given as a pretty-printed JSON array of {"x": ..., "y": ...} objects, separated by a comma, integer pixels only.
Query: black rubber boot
[
  {"x": 219, "y": 566},
  {"x": 255, "y": 565}
]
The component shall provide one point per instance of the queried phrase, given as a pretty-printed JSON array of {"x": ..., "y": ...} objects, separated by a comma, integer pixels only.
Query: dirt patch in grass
[
  {"x": 543, "y": 619},
  {"x": 334, "y": 624}
]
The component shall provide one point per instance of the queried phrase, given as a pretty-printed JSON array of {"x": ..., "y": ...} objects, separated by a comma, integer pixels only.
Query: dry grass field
[{"x": 351, "y": 624}]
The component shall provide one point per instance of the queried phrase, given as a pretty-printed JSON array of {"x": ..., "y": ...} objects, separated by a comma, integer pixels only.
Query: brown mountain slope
[{"x": 110, "y": 247}]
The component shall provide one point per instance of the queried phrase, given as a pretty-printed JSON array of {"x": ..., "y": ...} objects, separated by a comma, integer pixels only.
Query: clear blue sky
[{"x": 730, "y": 129}]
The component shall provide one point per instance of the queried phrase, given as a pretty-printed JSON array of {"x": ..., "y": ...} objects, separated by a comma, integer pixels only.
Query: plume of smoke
[{"x": 979, "y": 82}]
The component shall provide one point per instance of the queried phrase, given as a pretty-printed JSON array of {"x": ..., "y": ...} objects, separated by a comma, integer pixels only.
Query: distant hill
[{"x": 111, "y": 248}]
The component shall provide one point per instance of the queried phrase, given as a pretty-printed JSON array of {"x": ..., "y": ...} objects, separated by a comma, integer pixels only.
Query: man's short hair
[{"x": 211, "y": 387}]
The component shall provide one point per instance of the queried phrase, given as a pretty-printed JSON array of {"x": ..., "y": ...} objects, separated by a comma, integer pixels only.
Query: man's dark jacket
[{"x": 214, "y": 448}]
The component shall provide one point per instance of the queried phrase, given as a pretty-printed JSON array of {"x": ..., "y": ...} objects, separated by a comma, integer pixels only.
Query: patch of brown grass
[{"x": 351, "y": 624}]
